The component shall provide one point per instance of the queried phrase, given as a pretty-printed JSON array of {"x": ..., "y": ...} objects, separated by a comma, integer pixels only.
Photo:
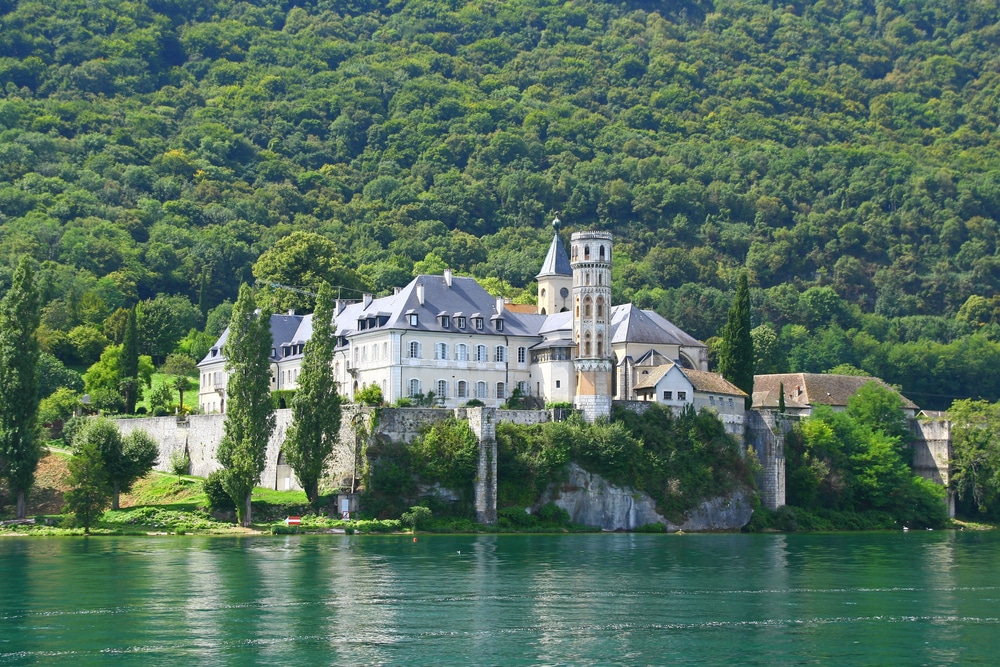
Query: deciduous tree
[
  {"x": 125, "y": 460},
  {"x": 249, "y": 412},
  {"x": 91, "y": 492},
  {"x": 316, "y": 405}
]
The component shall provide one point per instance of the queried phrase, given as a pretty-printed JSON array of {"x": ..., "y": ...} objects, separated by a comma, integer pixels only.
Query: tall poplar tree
[
  {"x": 249, "y": 412},
  {"x": 19, "y": 352},
  {"x": 316, "y": 405},
  {"x": 736, "y": 359},
  {"x": 128, "y": 365}
]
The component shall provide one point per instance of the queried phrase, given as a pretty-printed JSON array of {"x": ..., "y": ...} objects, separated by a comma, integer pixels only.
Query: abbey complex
[{"x": 445, "y": 335}]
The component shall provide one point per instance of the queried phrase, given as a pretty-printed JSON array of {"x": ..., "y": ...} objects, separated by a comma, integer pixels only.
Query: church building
[{"x": 444, "y": 334}]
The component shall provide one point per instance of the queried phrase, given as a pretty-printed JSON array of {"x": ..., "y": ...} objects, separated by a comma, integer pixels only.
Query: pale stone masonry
[{"x": 445, "y": 335}]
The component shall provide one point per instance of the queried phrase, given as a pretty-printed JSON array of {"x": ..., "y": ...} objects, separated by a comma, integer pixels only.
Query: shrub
[
  {"x": 416, "y": 518},
  {"x": 218, "y": 499},
  {"x": 651, "y": 528},
  {"x": 516, "y": 517},
  {"x": 180, "y": 463},
  {"x": 552, "y": 513}
]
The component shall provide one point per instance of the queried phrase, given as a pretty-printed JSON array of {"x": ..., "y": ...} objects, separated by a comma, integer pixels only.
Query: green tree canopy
[
  {"x": 736, "y": 353},
  {"x": 19, "y": 352},
  {"x": 316, "y": 405},
  {"x": 304, "y": 260},
  {"x": 249, "y": 412}
]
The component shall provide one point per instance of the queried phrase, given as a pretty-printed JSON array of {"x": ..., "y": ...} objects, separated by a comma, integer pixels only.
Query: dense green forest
[{"x": 845, "y": 152}]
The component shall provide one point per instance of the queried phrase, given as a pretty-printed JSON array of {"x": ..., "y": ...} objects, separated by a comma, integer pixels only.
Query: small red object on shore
[{"x": 294, "y": 521}]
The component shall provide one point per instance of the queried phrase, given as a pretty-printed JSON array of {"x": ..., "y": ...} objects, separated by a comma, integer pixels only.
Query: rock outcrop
[{"x": 593, "y": 501}]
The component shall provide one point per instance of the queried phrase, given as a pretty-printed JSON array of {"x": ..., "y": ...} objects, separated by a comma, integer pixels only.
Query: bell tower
[
  {"x": 555, "y": 280},
  {"x": 590, "y": 259}
]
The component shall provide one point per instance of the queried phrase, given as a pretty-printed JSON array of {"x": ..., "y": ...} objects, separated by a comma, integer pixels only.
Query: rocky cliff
[{"x": 593, "y": 501}]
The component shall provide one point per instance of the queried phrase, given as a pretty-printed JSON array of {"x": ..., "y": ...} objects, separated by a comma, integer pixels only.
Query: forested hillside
[{"x": 844, "y": 152}]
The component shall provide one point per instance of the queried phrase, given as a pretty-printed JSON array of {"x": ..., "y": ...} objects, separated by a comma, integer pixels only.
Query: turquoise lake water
[{"x": 917, "y": 598}]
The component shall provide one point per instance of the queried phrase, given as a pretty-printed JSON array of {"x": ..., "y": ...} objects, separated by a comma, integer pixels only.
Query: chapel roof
[{"x": 630, "y": 324}]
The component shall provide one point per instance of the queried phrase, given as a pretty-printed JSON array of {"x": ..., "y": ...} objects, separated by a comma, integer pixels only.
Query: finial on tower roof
[{"x": 556, "y": 221}]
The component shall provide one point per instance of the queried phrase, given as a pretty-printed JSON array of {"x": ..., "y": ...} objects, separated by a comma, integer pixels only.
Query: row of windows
[
  {"x": 682, "y": 396},
  {"x": 362, "y": 352},
  {"x": 477, "y": 322},
  {"x": 215, "y": 379},
  {"x": 464, "y": 389},
  {"x": 722, "y": 401},
  {"x": 442, "y": 351}
]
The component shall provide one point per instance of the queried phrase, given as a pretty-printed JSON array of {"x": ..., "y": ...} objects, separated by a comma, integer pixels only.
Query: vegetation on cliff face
[
  {"x": 678, "y": 460},
  {"x": 858, "y": 462},
  {"x": 844, "y": 153}
]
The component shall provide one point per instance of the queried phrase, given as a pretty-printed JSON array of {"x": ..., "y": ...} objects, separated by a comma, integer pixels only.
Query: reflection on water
[{"x": 917, "y": 598}]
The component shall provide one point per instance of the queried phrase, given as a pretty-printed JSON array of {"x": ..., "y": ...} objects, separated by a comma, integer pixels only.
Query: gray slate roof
[
  {"x": 285, "y": 330},
  {"x": 465, "y": 296},
  {"x": 630, "y": 324},
  {"x": 556, "y": 261}
]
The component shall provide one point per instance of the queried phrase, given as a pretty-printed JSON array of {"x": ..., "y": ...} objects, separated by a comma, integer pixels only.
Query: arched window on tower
[
  {"x": 600, "y": 345},
  {"x": 602, "y": 253},
  {"x": 586, "y": 252},
  {"x": 586, "y": 345},
  {"x": 600, "y": 307},
  {"x": 587, "y": 309},
  {"x": 586, "y": 278}
]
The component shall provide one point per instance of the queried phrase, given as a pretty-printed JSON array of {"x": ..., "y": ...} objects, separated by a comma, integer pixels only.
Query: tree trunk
[
  {"x": 114, "y": 495},
  {"x": 22, "y": 505},
  {"x": 246, "y": 519},
  {"x": 312, "y": 493}
]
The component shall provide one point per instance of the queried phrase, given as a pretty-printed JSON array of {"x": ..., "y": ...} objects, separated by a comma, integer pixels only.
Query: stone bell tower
[{"x": 590, "y": 258}]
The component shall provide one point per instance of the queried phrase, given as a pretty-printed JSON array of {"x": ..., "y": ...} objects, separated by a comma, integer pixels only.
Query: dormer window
[
  {"x": 413, "y": 319},
  {"x": 445, "y": 321},
  {"x": 477, "y": 322},
  {"x": 460, "y": 322},
  {"x": 499, "y": 324}
]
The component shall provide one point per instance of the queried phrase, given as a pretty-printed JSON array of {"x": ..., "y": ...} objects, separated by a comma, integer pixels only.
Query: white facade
[
  {"x": 447, "y": 336},
  {"x": 676, "y": 388}
]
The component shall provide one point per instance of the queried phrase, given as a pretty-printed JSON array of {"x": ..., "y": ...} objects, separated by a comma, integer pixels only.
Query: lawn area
[{"x": 160, "y": 379}]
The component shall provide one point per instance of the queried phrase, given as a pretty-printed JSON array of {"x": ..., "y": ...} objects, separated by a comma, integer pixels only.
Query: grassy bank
[{"x": 164, "y": 504}]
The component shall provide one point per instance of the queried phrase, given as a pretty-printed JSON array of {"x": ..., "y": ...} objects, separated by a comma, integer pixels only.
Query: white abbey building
[{"x": 445, "y": 334}]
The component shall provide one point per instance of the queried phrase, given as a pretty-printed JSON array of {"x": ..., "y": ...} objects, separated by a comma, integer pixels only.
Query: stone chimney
[
  {"x": 447, "y": 277},
  {"x": 420, "y": 293},
  {"x": 366, "y": 300},
  {"x": 500, "y": 305}
]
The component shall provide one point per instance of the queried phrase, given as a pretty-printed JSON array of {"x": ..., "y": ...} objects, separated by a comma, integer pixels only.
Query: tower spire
[{"x": 555, "y": 279}]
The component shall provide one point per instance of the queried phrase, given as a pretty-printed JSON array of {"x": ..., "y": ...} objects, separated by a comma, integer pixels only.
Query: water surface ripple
[{"x": 918, "y": 598}]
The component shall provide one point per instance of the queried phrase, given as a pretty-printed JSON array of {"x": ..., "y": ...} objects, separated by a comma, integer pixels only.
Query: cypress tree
[
  {"x": 19, "y": 352},
  {"x": 128, "y": 364},
  {"x": 316, "y": 405},
  {"x": 736, "y": 360},
  {"x": 249, "y": 412}
]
